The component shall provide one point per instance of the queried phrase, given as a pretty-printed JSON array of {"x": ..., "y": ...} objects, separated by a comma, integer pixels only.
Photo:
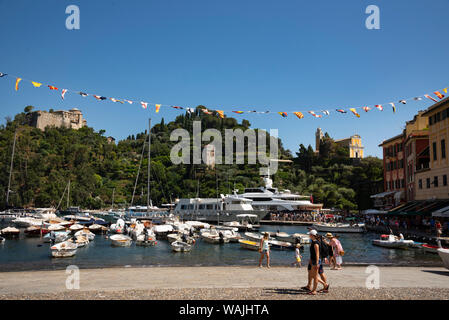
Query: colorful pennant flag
[
  {"x": 438, "y": 94},
  {"x": 379, "y": 106},
  {"x": 417, "y": 98},
  {"x": 283, "y": 114},
  {"x": 354, "y": 112},
  {"x": 366, "y": 109},
  {"x": 445, "y": 90},
  {"x": 206, "y": 111},
  {"x": 144, "y": 104},
  {"x": 177, "y": 107},
  {"x": 63, "y": 93},
  {"x": 326, "y": 112},
  {"x": 158, "y": 106},
  {"x": 36, "y": 84},
  {"x": 315, "y": 115},
  {"x": 393, "y": 106},
  {"x": 427, "y": 96},
  {"x": 17, "y": 83},
  {"x": 129, "y": 101},
  {"x": 238, "y": 112},
  {"x": 52, "y": 88},
  {"x": 341, "y": 110},
  {"x": 99, "y": 98},
  {"x": 403, "y": 101},
  {"x": 220, "y": 113},
  {"x": 190, "y": 110},
  {"x": 117, "y": 100},
  {"x": 298, "y": 114},
  {"x": 2, "y": 74}
]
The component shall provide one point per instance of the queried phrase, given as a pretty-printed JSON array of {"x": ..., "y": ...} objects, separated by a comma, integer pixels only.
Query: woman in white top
[{"x": 264, "y": 249}]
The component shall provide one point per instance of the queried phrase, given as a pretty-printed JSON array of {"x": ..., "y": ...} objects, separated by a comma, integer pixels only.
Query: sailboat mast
[
  {"x": 68, "y": 195},
  {"x": 149, "y": 159},
  {"x": 10, "y": 169}
]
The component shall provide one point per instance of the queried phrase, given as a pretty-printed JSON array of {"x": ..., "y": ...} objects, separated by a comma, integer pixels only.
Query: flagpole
[
  {"x": 149, "y": 158},
  {"x": 10, "y": 169}
]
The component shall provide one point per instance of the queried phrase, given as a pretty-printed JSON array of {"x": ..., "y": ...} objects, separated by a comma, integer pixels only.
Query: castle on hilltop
[
  {"x": 353, "y": 143},
  {"x": 61, "y": 118}
]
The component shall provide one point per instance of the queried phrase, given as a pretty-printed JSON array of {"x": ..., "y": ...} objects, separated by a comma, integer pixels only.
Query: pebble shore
[{"x": 244, "y": 294}]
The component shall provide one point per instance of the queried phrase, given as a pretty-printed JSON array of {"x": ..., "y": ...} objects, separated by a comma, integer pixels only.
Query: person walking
[
  {"x": 315, "y": 267},
  {"x": 298, "y": 255},
  {"x": 264, "y": 249},
  {"x": 337, "y": 250}
]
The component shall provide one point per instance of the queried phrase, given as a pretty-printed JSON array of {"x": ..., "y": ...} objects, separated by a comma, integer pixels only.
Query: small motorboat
[
  {"x": 444, "y": 255},
  {"x": 118, "y": 227},
  {"x": 81, "y": 241},
  {"x": 85, "y": 233},
  {"x": 10, "y": 232},
  {"x": 430, "y": 248},
  {"x": 172, "y": 237},
  {"x": 56, "y": 227},
  {"x": 179, "y": 246},
  {"x": 96, "y": 228},
  {"x": 281, "y": 245},
  {"x": 392, "y": 242},
  {"x": 35, "y": 231},
  {"x": 250, "y": 245},
  {"x": 63, "y": 249},
  {"x": 214, "y": 237},
  {"x": 149, "y": 242},
  {"x": 76, "y": 227},
  {"x": 253, "y": 236},
  {"x": 60, "y": 236},
  {"x": 120, "y": 240}
]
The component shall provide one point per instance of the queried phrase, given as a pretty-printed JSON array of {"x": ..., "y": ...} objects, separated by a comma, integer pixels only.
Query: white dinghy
[
  {"x": 120, "y": 240},
  {"x": 63, "y": 249},
  {"x": 444, "y": 254},
  {"x": 179, "y": 246}
]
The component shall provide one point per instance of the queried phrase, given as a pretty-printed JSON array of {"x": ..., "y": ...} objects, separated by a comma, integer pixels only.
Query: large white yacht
[
  {"x": 271, "y": 199},
  {"x": 224, "y": 209}
]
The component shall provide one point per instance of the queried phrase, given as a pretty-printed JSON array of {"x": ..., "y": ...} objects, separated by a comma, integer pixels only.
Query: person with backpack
[{"x": 315, "y": 266}]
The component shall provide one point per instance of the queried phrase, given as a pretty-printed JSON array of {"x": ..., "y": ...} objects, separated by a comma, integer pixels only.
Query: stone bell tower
[{"x": 318, "y": 136}]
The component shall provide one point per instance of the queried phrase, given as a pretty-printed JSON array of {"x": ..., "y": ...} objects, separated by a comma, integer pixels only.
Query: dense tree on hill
[{"x": 45, "y": 161}]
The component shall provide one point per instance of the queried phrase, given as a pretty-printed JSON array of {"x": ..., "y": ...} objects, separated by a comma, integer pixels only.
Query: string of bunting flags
[{"x": 221, "y": 113}]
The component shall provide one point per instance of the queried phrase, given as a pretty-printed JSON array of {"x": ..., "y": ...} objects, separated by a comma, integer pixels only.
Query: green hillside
[{"x": 44, "y": 162}]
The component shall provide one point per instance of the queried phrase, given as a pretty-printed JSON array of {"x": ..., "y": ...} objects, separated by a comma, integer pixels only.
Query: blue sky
[{"x": 285, "y": 55}]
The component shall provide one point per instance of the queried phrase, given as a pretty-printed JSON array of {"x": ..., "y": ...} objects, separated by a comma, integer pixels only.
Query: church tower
[{"x": 318, "y": 136}]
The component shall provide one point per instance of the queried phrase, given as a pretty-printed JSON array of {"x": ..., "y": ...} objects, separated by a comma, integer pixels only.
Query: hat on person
[
  {"x": 312, "y": 232},
  {"x": 298, "y": 245},
  {"x": 329, "y": 235}
]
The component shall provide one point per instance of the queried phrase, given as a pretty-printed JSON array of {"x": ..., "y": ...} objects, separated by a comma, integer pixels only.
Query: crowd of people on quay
[
  {"x": 428, "y": 225},
  {"x": 305, "y": 216}
]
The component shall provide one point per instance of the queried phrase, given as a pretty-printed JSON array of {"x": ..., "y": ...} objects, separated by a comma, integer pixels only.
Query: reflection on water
[{"x": 31, "y": 254}]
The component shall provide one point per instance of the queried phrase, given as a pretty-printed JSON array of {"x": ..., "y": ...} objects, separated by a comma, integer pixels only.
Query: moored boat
[
  {"x": 250, "y": 245},
  {"x": 76, "y": 227},
  {"x": 96, "y": 228},
  {"x": 179, "y": 246},
  {"x": 120, "y": 240},
  {"x": 392, "y": 242},
  {"x": 56, "y": 227},
  {"x": 81, "y": 241},
  {"x": 430, "y": 248},
  {"x": 60, "y": 236},
  {"x": 253, "y": 236},
  {"x": 85, "y": 233},
  {"x": 281, "y": 245},
  {"x": 35, "y": 231},
  {"x": 63, "y": 249},
  {"x": 444, "y": 255},
  {"x": 10, "y": 232}
]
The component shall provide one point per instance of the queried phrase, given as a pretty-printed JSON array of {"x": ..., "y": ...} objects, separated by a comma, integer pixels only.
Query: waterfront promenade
[{"x": 224, "y": 283}]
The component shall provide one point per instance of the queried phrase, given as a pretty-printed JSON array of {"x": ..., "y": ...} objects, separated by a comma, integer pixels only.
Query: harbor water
[{"x": 32, "y": 254}]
